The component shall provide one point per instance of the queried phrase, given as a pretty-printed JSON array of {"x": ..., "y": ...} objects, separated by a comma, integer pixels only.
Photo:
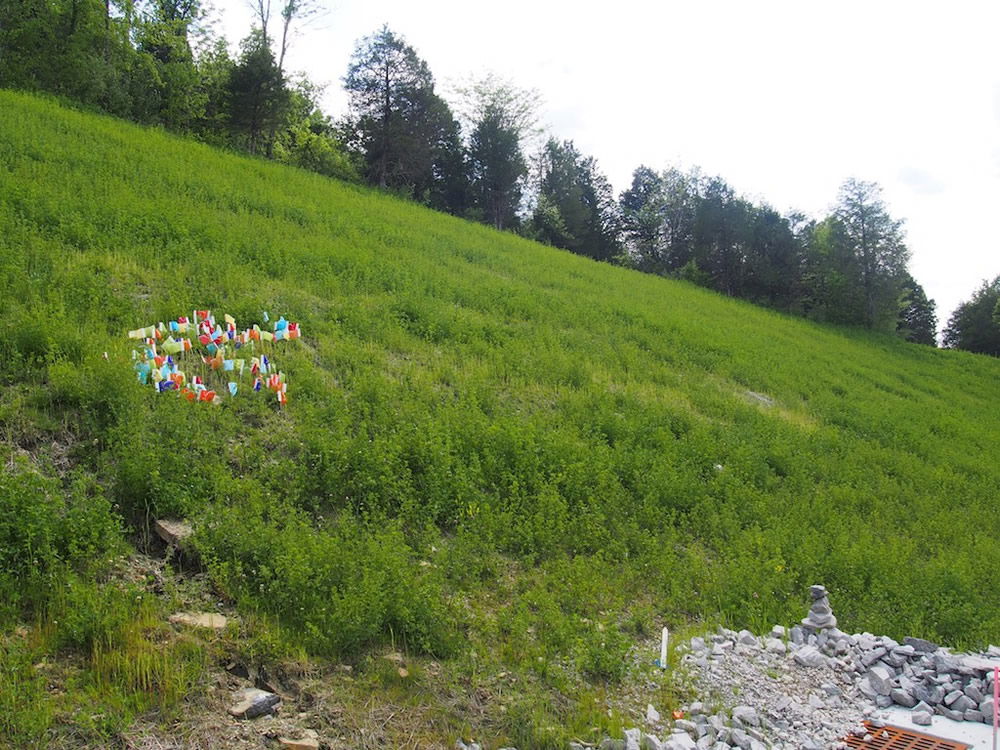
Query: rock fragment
[{"x": 253, "y": 702}]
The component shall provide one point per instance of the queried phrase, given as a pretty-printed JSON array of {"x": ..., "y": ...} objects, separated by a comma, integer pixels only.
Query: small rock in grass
[
  {"x": 209, "y": 620},
  {"x": 253, "y": 702},
  {"x": 652, "y": 715},
  {"x": 306, "y": 743},
  {"x": 172, "y": 531}
]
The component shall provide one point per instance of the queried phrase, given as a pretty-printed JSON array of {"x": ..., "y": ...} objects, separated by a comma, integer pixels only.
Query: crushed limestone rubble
[{"x": 809, "y": 687}]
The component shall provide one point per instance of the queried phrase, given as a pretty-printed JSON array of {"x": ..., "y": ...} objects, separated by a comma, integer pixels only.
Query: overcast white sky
[{"x": 783, "y": 99}]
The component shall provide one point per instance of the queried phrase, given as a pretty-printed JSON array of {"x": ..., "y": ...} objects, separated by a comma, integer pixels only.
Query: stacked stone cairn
[
  {"x": 820, "y": 615},
  {"x": 809, "y": 687}
]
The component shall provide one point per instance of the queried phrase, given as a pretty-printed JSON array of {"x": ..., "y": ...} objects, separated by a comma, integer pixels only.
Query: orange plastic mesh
[{"x": 895, "y": 738}]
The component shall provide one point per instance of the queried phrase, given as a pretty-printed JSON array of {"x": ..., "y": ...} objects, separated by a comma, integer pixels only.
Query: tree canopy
[{"x": 975, "y": 324}]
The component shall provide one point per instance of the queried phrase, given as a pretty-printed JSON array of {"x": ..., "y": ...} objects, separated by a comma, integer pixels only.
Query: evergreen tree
[
  {"x": 497, "y": 168},
  {"x": 405, "y": 133},
  {"x": 917, "y": 317},
  {"x": 258, "y": 99}
]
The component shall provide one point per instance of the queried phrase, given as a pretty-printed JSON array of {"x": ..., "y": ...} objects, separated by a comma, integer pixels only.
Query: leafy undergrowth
[{"x": 496, "y": 457}]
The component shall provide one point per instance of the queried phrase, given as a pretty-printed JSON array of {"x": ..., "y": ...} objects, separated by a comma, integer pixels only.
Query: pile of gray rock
[{"x": 809, "y": 687}]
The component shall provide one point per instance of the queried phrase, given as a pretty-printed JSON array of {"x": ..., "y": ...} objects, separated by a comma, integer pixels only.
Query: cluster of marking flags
[{"x": 215, "y": 348}]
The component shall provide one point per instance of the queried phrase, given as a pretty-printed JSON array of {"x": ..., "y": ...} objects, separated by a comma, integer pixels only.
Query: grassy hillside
[{"x": 495, "y": 454}]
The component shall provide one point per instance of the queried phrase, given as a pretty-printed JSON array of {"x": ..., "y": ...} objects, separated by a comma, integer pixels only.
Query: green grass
[{"x": 565, "y": 442}]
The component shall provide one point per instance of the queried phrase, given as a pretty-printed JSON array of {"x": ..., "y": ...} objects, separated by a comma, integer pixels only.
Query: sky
[{"x": 784, "y": 100}]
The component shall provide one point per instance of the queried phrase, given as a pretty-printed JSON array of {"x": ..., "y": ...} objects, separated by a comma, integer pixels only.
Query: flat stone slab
[
  {"x": 979, "y": 664},
  {"x": 209, "y": 620},
  {"x": 172, "y": 531}
]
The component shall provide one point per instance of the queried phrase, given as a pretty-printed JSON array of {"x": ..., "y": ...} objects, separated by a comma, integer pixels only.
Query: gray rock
[
  {"x": 930, "y": 695},
  {"x": 973, "y": 715},
  {"x": 905, "y": 650},
  {"x": 779, "y": 631},
  {"x": 679, "y": 741},
  {"x": 974, "y": 693},
  {"x": 687, "y": 726},
  {"x": 977, "y": 664},
  {"x": 873, "y": 656},
  {"x": 609, "y": 744},
  {"x": 252, "y": 703},
  {"x": 808, "y": 656},
  {"x": 902, "y": 697},
  {"x": 986, "y": 708},
  {"x": 948, "y": 713},
  {"x": 651, "y": 742},
  {"x": 746, "y": 716},
  {"x": 632, "y": 737},
  {"x": 921, "y": 706},
  {"x": 894, "y": 660},
  {"x": 775, "y": 646},
  {"x": 963, "y": 703},
  {"x": 652, "y": 715},
  {"x": 880, "y": 679},
  {"x": 944, "y": 663},
  {"x": 740, "y": 739},
  {"x": 883, "y": 701},
  {"x": 797, "y": 635},
  {"x": 867, "y": 689},
  {"x": 921, "y": 718},
  {"x": 920, "y": 645}
]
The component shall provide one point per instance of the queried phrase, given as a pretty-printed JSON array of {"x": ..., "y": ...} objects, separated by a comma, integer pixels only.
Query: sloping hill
[{"x": 489, "y": 445}]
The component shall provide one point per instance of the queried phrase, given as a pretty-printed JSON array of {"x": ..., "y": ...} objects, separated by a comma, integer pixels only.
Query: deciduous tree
[
  {"x": 572, "y": 184},
  {"x": 975, "y": 325}
]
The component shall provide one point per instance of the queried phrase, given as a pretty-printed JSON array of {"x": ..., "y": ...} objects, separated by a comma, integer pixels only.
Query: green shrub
[
  {"x": 25, "y": 710},
  {"x": 46, "y": 531},
  {"x": 602, "y": 654}
]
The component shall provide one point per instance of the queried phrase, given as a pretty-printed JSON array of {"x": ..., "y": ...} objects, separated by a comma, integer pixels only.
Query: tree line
[{"x": 156, "y": 62}]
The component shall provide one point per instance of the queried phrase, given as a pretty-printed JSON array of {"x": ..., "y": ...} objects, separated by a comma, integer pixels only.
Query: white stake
[{"x": 663, "y": 650}]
